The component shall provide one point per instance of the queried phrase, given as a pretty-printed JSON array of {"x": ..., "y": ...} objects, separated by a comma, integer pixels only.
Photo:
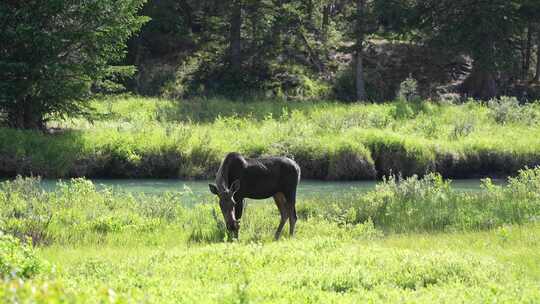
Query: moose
[{"x": 256, "y": 178}]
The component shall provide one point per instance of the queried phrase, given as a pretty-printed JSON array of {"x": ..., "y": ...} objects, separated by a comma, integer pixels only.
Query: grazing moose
[{"x": 256, "y": 178}]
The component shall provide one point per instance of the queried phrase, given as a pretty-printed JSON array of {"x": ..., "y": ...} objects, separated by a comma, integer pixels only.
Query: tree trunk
[
  {"x": 25, "y": 116},
  {"x": 254, "y": 17},
  {"x": 527, "y": 54},
  {"x": 186, "y": 10},
  {"x": 325, "y": 22},
  {"x": 138, "y": 55},
  {"x": 359, "y": 62},
  {"x": 310, "y": 11},
  {"x": 235, "y": 43},
  {"x": 274, "y": 40},
  {"x": 480, "y": 84},
  {"x": 537, "y": 76}
]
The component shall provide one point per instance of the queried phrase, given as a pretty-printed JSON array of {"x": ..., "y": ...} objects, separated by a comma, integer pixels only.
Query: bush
[
  {"x": 403, "y": 110},
  {"x": 429, "y": 204},
  {"x": 17, "y": 260},
  {"x": 84, "y": 215},
  {"x": 25, "y": 210},
  {"x": 463, "y": 127},
  {"x": 408, "y": 90},
  {"x": 377, "y": 90},
  {"x": 506, "y": 110}
]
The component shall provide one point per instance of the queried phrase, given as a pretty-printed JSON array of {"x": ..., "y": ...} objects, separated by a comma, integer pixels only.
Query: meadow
[
  {"x": 134, "y": 137},
  {"x": 413, "y": 240}
]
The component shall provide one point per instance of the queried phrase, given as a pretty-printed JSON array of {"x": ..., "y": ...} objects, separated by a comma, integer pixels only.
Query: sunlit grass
[
  {"x": 414, "y": 240},
  {"x": 143, "y": 137}
]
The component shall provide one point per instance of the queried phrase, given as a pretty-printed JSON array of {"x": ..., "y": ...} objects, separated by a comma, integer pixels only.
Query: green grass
[
  {"x": 412, "y": 241},
  {"x": 142, "y": 137},
  {"x": 473, "y": 267},
  {"x": 443, "y": 268}
]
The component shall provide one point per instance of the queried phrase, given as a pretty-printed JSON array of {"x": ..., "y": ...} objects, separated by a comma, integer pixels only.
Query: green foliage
[
  {"x": 508, "y": 110},
  {"x": 41, "y": 291},
  {"x": 17, "y": 260},
  {"x": 52, "y": 53},
  {"x": 429, "y": 204},
  {"x": 205, "y": 225},
  {"x": 481, "y": 29},
  {"x": 290, "y": 50},
  {"x": 463, "y": 127},
  {"x": 408, "y": 90},
  {"x": 25, "y": 210},
  {"x": 378, "y": 89},
  {"x": 137, "y": 137},
  {"x": 403, "y": 110},
  {"x": 343, "y": 251},
  {"x": 344, "y": 86},
  {"x": 78, "y": 213}
]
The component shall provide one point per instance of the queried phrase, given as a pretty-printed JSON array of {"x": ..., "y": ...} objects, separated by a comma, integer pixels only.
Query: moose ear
[
  {"x": 235, "y": 186},
  {"x": 213, "y": 189}
]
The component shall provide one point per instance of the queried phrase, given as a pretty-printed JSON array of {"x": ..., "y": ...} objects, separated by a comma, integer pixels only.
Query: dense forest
[
  {"x": 56, "y": 55},
  {"x": 340, "y": 49}
]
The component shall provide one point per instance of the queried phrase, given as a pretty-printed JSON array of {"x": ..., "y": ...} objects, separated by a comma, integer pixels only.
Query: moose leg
[
  {"x": 291, "y": 206},
  {"x": 239, "y": 209},
  {"x": 281, "y": 204}
]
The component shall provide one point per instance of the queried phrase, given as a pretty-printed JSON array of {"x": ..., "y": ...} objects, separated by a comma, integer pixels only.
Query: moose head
[{"x": 227, "y": 204}]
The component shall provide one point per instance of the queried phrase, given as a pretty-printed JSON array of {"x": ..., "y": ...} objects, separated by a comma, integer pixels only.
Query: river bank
[{"x": 134, "y": 137}]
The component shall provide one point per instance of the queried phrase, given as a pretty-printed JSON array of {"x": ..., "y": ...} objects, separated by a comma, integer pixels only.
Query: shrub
[
  {"x": 42, "y": 292},
  {"x": 377, "y": 89},
  {"x": 463, "y": 127},
  {"x": 17, "y": 260},
  {"x": 25, "y": 209},
  {"x": 408, "y": 90},
  {"x": 138, "y": 140},
  {"x": 506, "y": 110},
  {"x": 429, "y": 204},
  {"x": 403, "y": 110}
]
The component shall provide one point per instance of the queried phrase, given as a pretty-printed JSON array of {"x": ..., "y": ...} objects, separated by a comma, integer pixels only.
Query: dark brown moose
[{"x": 256, "y": 178}]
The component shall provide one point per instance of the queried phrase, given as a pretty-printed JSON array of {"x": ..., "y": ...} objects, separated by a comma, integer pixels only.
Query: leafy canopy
[{"x": 53, "y": 51}]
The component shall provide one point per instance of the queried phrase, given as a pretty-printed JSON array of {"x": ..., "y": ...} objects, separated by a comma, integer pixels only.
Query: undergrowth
[
  {"x": 384, "y": 246},
  {"x": 140, "y": 137},
  {"x": 78, "y": 213}
]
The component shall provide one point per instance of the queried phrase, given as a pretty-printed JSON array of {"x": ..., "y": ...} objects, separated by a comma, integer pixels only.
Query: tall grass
[
  {"x": 138, "y": 137},
  {"x": 114, "y": 247},
  {"x": 77, "y": 213}
]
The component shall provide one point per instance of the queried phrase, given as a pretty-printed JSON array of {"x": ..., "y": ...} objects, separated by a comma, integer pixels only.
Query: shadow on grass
[
  {"x": 24, "y": 152},
  {"x": 208, "y": 110}
]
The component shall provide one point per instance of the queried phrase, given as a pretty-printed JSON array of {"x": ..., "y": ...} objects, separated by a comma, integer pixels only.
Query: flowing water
[{"x": 196, "y": 191}]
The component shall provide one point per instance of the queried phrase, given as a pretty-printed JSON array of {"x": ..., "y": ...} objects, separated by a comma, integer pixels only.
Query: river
[{"x": 198, "y": 190}]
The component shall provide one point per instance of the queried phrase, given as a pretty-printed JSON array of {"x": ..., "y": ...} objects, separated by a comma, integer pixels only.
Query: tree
[
  {"x": 480, "y": 29},
  {"x": 537, "y": 75},
  {"x": 530, "y": 13},
  {"x": 360, "y": 84},
  {"x": 235, "y": 46},
  {"x": 52, "y": 52},
  {"x": 360, "y": 23}
]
